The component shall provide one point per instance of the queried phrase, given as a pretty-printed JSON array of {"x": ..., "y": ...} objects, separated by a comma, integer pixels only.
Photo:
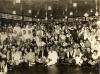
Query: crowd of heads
[{"x": 68, "y": 39}]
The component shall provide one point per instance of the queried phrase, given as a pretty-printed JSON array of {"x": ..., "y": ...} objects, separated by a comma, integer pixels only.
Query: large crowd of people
[{"x": 71, "y": 43}]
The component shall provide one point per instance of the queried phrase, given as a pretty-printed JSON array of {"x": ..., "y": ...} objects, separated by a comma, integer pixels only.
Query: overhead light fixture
[
  {"x": 66, "y": 9},
  {"x": 38, "y": 19},
  {"x": 91, "y": 10},
  {"x": 86, "y": 14},
  {"x": 74, "y": 4},
  {"x": 46, "y": 18},
  {"x": 66, "y": 17},
  {"x": 85, "y": 2},
  {"x": 35, "y": 16},
  {"x": 49, "y": 8},
  {"x": 14, "y": 12},
  {"x": 51, "y": 15},
  {"x": 29, "y": 11},
  {"x": 52, "y": 18},
  {"x": 96, "y": 14},
  {"x": 71, "y": 13}
]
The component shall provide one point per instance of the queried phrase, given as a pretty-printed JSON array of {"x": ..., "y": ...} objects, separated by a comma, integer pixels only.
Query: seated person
[
  {"x": 52, "y": 57},
  {"x": 61, "y": 55},
  {"x": 3, "y": 66},
  {"x": 31, "y": 57},
  {"x": 77, "y": 56},
  {"x": 70, "y": 53},
  {"x": 86, "y": 58},
  {"x": 94, "y": 61},
  {"x": 17, "y": 57}
]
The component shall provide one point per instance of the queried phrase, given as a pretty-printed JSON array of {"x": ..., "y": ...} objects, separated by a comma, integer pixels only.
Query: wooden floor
[{"x": 55, "y": 69}]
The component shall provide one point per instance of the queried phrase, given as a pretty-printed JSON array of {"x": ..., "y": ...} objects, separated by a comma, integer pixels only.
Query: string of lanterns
[{"x": 49, "y": 8}]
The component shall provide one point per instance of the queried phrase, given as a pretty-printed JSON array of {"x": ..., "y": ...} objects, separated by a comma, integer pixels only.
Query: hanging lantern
[
  {"x": 74, "y": 4},
  {"x": 96, "y": 14},
  {"x": 86, "y": 14},
  {"x": 66, "y": 17},
  {"x": 52, "y": 18},
  {"x": 14, "y": 12},
  {"x": 85, "y": 2},
  {"x": 46, "y": 18},
  {"x": 49, "y": 8},
  {"x": 29, "y": 11},
  {"x": 35, "y": 16},
  {"x": 38, "y": 19},
  {"x": 66, "y": 10},
  {"x": 71, "y": 13},
  {"x": 51, "y": 15},
  {"x": 91, "y": 10}
]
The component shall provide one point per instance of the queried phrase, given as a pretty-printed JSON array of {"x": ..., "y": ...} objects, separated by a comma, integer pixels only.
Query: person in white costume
[
  {"x": 31, "y": 57},
  {"x": 77, "y": 56},
  {"x": 52, "y": 57},
  {"x": 17, "y": 56},
  {"x": 95, "y": 57}
]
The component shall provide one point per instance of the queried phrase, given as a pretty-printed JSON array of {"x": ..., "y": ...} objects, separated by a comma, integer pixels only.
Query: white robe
[{"x": 53, "y": 56}]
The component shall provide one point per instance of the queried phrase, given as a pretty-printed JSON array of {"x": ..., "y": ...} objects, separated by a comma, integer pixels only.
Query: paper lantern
[
  {"x": 29, "y": 11},
  {"x": 96, "y": 14},
  {"x": 35, "y": 16},
  {"x": 46, "y": 18},
  {"x": 49, "y": 8},
  {"x": 86, "y": 14},
  {"x": 71, "y": 13},
  {"x": 66, "y": 17},
  {"x": 14, "y": 12},
  {"x": 74, "y": 4},
  {"x": 91, "y": 10}
]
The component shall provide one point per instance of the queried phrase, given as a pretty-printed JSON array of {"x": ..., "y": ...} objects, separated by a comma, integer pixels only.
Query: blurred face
[
  {"x": 18, "y": 48},
  {"x": 13, "y": 49},
  {"x": 95, "y": 53},
  {"x": 51, "y": 49},
  {"x": 61, "y": 49},
  {"x": 62, "y": 32},
  {"x": 3, "y": 62},
  {"x": 5, "y": 49},
  {"x": 29, "y": 32},
  {"x": 30, "y": 50},
  {"x": 15, "y": 32},
  {"x": 96, "y": 37},
  {"x": 88, "y": 50},
  {"x": 22, "y": 48},
  {"x": 81, "y": 41},
  {"x": 24, "y": 32},
  {"x": 25, "y": 50}
]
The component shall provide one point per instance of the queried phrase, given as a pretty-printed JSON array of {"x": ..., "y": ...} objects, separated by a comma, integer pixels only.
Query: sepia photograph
[{"x": 49, "y": 36}]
